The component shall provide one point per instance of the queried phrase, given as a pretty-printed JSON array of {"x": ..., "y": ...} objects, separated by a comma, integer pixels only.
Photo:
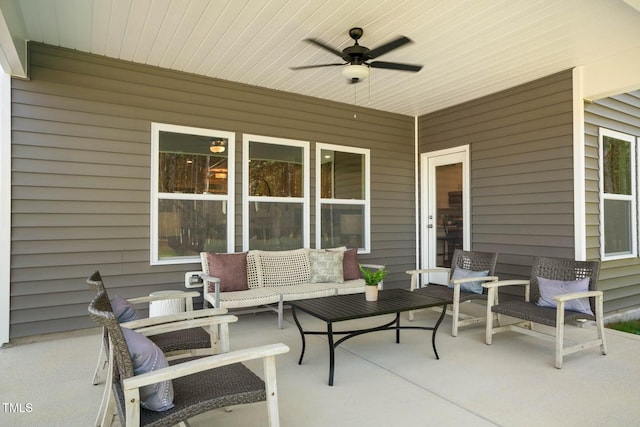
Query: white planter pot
[{"x": 371, "y": 293}]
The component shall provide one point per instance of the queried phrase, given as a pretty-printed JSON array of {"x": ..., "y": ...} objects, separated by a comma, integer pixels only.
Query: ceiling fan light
[{"x": 355, "y": 72}]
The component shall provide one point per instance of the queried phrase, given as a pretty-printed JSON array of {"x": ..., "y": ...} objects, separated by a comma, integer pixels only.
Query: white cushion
[{"x": 283, "y": 268}]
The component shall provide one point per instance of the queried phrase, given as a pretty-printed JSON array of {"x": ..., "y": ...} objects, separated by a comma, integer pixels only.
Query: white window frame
[
  {"x": 229, "y": 198},
  {"x": 367, "y": 193},
  {"x": 606, "y": 196},
  {"x": 304, "y": 200}
]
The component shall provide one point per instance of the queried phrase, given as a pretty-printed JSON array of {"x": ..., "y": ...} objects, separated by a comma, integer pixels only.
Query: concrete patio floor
[{"x": 378, "y": 383}]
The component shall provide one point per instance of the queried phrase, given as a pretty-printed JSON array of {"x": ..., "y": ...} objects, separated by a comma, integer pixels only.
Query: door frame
[{"x": 428, "y": 236}]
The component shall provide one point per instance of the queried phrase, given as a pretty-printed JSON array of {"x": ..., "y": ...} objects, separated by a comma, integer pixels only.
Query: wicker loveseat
[{"x": 271, "y": 278}]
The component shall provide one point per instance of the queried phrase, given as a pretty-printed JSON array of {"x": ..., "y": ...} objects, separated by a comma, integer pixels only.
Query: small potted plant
[{"x": 372, "y": 279}]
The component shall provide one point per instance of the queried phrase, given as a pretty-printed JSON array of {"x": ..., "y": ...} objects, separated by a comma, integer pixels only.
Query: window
[
  {"x": 192, "y": 203},
  {"x": 342, "y": 206},
  {"x": 618, "y": 217},
  {"x": 276, "y": 193}
]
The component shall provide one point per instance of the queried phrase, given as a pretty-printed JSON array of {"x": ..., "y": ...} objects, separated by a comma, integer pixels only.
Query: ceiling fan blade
[
  {"x": 304, "y": 67},
  {"x": 388, "y": 47},
  {"x": 325, "y": 47},
  {"x": 396, "y": 66}
]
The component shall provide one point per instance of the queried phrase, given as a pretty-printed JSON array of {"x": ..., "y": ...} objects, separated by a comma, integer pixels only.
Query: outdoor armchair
[
  {"x": 221, "y": 381},
  {"x": 550, "y": 280},
  {"x": 204, "y": 336},
  {"x": 467, "y": 264}
]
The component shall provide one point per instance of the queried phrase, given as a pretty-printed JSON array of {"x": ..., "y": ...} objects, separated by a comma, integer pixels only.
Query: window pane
[
  {"x": 617, "y": 166},
  {"x": 187, "y": 164},
  {"x": 188, "y": 227},
  {"x": 275, "y": 170},
  {"x": 342, "y": 175},
  {"x": 275, "y": 226},
  {"x": 342, "y": 225},
  {"x": 617, "y": 226}
]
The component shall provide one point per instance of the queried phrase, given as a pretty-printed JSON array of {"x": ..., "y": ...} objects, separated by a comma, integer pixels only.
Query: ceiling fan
[{"x": 358, "y": 59}]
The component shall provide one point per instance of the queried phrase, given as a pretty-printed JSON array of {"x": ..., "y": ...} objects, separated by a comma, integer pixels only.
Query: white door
[{"x": 445, "y": 222}]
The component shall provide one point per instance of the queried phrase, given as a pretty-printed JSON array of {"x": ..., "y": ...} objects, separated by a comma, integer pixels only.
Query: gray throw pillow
[
  {"x": 147, "y": 357},
  {"x": 123, "y": 310},
  {"x": 326, "y": 267},
  {"x": 475, "y": 287},
  {"x": 550, "y": 288}
]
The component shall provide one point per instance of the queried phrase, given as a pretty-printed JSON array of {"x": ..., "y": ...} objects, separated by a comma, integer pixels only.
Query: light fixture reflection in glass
[{"x": 217, "y": 145}]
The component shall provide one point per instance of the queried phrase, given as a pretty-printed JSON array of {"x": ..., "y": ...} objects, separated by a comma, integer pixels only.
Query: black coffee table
[{"x": 354, "y": 306}]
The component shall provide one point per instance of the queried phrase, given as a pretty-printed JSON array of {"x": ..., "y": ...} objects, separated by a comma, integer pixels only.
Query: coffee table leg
[
  {"x": 397, "y": 328},
  {"x": 435, "y": 329},
  {"x": 295, "y": 318},
  {"x": 332, "y": 358}
]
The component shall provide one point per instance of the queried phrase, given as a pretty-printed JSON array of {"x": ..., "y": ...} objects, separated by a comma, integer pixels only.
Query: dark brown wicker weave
[
  {"x": 194, "y": 394},
  {"x": 556, "y": 269},
  {"x": 468, "y": 260}
]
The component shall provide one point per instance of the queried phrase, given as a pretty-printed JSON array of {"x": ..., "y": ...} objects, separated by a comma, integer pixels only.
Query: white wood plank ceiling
[{"x": 468, "y": 48}]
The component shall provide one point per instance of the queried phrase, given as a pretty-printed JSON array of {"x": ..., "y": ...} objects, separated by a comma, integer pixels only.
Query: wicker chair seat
[
  {"x": 187, "y": 339},
  {"x": 199, "y": 393},
  {"x": 534, "y": 313}
]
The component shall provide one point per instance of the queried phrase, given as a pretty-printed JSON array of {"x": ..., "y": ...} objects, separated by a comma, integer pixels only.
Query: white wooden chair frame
[
  {"x": 267, "y": 353},
  {"x": 526, "y": 327},
  {"x": 213, "y": 320},
  {"x": 458, "y": 319}
]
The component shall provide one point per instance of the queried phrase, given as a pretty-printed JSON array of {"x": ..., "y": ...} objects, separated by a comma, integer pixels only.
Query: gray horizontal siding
[
  {"x": 81, "y": 174},
  {"x": 619, "y": 279},
  {"x": 521, "y": 150}
]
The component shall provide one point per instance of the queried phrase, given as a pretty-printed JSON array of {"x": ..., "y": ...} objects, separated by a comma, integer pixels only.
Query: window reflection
[
  {"x": 342, "y": 198},
  {"x": 342, "y": 225},
  {"x": 276, "y": 188},
  {"x": 192, "y": 193},
  {"x": 188, "y": 227},
  {"x": 187, "y": 165}
]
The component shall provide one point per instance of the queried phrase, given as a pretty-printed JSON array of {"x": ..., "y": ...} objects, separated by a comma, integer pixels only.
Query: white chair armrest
[
  {"x": 475, "y": 279},
  {"x": 576, "y": 295},
  {"x": 205, "y": 287},
  {"x": 175, "y": 317},
  {"x": 500, "y": 283},
  {"x": 175, "y": 295},
  {"x": 186, "y": 324},
  {"x": 203, "y": 364},
  {"x": 429, "y": 270}
]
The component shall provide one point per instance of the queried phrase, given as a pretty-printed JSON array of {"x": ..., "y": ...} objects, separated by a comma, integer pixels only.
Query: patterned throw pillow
[
  {"x": 147, "y": 357},
  {"x": 326, "y": 267},
  {"x": 550, "y": 288},
  {"x": 231, "y": 269}
]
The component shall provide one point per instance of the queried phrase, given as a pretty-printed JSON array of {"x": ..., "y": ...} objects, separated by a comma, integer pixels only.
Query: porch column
[{"x": 5, "y": 204}]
